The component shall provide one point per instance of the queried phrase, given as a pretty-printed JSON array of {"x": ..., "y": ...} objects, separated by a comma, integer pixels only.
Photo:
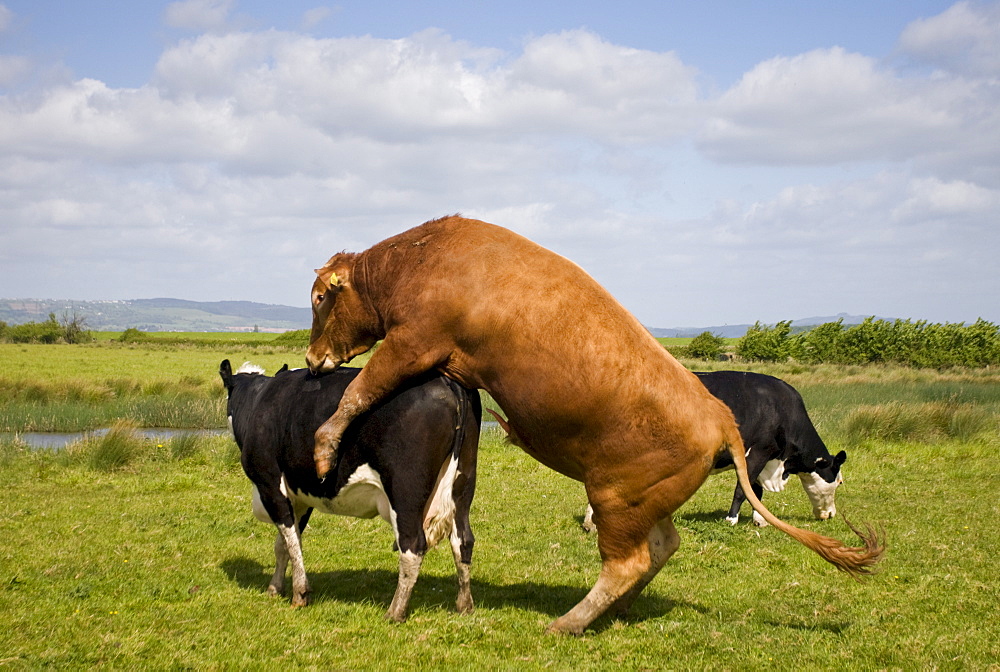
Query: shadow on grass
[
  {"x": 377, "y": 586},
  {"x": 746, "y": 514}
]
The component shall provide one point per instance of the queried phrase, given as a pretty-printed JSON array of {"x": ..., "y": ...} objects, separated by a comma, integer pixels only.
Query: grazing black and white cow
[
  {"x": 780, "y": 440},
  {"x": 411, "y": 460}
]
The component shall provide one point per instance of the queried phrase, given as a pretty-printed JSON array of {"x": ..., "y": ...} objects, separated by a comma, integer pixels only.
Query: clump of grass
[
  {"x": 116, "y": 449},
  {"x": 184, "y": 446},
  {"x": 969, "y": 422},
  {"x": 928, "y": 422}
]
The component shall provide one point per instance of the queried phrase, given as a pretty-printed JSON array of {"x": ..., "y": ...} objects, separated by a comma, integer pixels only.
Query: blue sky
[{"x": 710, "y": 163}]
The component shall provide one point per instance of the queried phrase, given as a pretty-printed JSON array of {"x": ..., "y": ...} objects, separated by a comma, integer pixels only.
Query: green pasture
[{"x": 126, "y": 553}]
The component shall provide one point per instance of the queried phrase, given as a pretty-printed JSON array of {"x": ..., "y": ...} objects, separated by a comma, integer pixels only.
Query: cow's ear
[
  {"x": 840, "y": 458},
  {"x": 225, "y": 372}
]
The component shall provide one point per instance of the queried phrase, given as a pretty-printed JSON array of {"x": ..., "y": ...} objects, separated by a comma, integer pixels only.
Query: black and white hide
[{"x": 410, "y": 460}]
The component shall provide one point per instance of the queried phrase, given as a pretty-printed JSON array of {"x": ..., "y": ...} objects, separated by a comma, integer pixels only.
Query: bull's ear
[{"x": 329, "y": 277}]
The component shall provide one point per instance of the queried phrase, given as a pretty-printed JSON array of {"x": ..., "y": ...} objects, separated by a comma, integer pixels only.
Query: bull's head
[
  {"x": 822, "y": 483},
  {"x": 342, "y": 324}
]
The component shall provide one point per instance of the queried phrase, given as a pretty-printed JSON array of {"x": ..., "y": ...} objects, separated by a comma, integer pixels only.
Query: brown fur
[{"x": 586, "y": 389}]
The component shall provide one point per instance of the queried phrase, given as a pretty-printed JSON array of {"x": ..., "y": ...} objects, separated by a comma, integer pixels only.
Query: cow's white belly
[
  {"x": 772, "y": 477},
  {"x": 364, "y": 497},
  {"x": 361, "y": 497}
]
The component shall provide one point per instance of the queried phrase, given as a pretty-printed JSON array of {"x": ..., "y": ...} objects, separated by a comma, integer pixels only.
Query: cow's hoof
[
  {"x": 759, "y": 520},
  {"x": 732, "y": 520},
  {"x": 301, "y": 600},
  {"x": 273, "y": 591},
  {"x": 465, "y": 606}
]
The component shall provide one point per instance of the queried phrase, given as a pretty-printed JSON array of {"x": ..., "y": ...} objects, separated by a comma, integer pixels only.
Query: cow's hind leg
[
  {"x": 412, "y": 544},
  {"x": 461, "y": 550},
  {"x": 293, "y": 546},
  {"x": 409, "y": 570},
  {"x": 288, "y": 547},
  {"x": 277, "y": 585},
  {"x": 663, "y": 543}
]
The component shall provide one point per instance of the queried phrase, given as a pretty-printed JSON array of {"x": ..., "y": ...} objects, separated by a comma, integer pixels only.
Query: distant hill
[
  {"x": 161, "y": 314},
  {"x": 738, "y": 330},
  {"x": 181, "y": 315}
]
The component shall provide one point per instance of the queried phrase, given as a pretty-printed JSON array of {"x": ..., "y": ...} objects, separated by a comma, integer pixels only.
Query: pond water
[{"x": 57, "y": 440}]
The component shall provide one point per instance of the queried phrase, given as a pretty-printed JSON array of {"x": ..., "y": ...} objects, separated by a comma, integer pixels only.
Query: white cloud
[
  {"x": 829, "y": 106},
  {"x": 198, "y": 14},
  {"x": 271, "y": 150},
  {"x": 6, "y": 18},
  {"x": 964, "y": 39},
  {"x": 315, "y": 16}
]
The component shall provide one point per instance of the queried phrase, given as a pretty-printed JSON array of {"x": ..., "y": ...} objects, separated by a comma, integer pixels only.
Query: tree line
[
  {"x": 874, "y": 341},
  {"x": 65, "y": 330}
]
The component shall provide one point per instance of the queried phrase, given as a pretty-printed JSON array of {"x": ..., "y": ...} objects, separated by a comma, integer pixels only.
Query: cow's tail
[
  {"x": 856, "y": 561},
  {"x": 466, "y": 405}
]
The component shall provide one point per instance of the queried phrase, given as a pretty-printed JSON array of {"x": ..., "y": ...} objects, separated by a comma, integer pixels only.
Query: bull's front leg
[
  {"x": 329, "y": 434},
  {"x": 399, "y": 357}
]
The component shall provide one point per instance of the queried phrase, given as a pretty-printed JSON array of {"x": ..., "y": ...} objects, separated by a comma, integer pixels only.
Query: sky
[{"x": 709, "y": 163}]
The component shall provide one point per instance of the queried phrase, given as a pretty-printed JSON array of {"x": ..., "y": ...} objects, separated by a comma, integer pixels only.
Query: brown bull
[{"x": 586, "y": 389}]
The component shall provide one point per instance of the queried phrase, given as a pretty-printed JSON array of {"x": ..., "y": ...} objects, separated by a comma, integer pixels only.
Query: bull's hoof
[
  {"x": 395, "y": 616},
  {"x": 324, "y": 462},
  {"x": 561, "y": 627}
]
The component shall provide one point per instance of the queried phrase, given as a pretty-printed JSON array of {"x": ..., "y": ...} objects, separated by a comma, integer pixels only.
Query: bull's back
[{"x": 570, "y": 366}]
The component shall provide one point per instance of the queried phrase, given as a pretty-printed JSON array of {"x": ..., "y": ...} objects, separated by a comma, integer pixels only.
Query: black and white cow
[
  {"x": 411, "y": 460},
  {"x": 780, "y": 440}
]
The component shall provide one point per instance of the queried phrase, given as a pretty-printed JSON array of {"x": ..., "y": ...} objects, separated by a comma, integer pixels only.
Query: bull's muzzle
[{"x": 321, "y": 363}]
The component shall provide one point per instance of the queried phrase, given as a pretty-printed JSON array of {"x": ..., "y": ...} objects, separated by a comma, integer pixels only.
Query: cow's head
[
  {"x": 343, "y": 325},
  {"x": 821, "y": 484}
]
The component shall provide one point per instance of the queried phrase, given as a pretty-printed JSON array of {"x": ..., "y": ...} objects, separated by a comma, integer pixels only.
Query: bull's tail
[
  {"x": 512, "y": 436},
  {"x": 856, "y": 561}
]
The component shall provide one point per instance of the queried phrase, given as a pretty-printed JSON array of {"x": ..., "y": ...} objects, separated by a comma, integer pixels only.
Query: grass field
[{"x": 147, "y": 556}]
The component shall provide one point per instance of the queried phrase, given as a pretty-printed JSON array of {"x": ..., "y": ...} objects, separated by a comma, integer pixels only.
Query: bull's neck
[{"x": 370, "y": 293}]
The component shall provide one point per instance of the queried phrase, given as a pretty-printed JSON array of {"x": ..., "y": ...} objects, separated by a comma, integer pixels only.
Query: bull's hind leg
[
  {"x": 625, "y": 555},
  {"x": 663, "y": 543},
  {"x": 617, "y": 577}
]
